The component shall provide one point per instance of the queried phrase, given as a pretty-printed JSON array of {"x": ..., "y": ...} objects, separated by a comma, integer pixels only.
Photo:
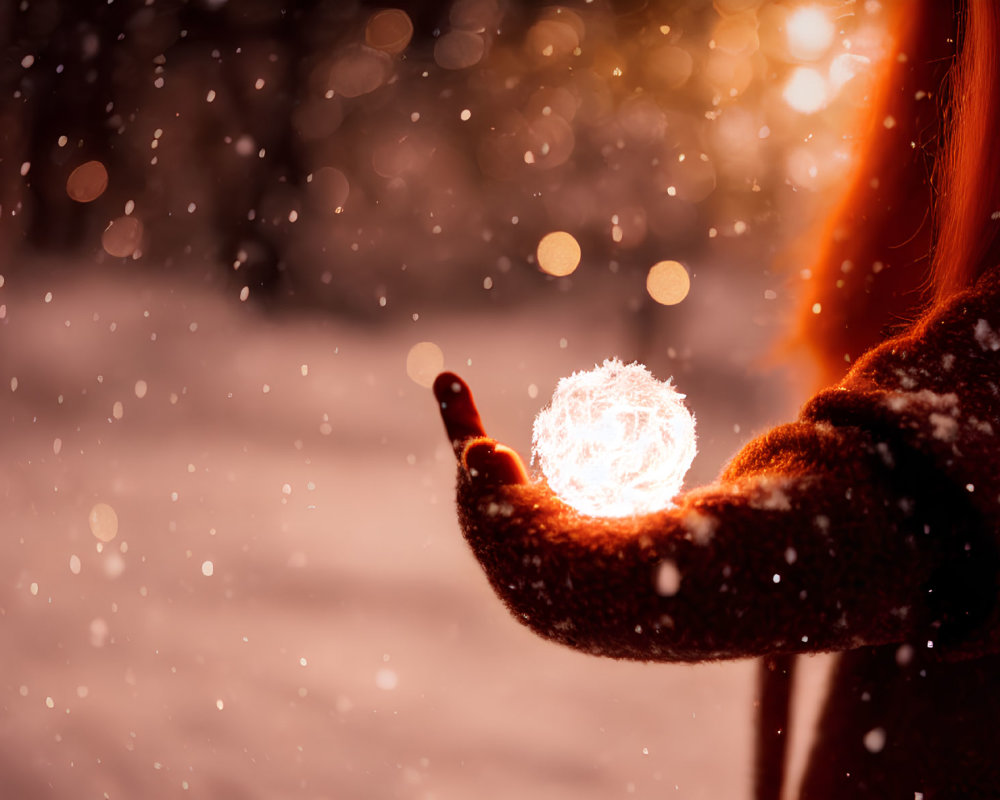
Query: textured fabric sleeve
[
  {"x": 931, "y": 401},
  {"x": 871, "y": 520},
  {"x": 789, "y": 557}
]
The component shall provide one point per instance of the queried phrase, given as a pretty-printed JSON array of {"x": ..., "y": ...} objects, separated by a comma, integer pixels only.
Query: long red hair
[
  {"x": 920, "y": 218},
  {"x": 969, "y": 207}
]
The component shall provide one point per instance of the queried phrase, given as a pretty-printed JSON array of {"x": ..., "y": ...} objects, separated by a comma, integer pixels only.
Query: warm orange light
[
  {"x": 845, "y": 67},
  {"x": 810, "y": 33},
  {"x": 736, "y": 35},
  {"x": 615, "y": 441},
  {"x": 668, "y": 283},
  {"x": 558, "y": 253},
  {"x": 806, "y": 91}
]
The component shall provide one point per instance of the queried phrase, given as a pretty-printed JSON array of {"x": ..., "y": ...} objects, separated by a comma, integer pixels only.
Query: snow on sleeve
[{"x": 988, "y": 338}]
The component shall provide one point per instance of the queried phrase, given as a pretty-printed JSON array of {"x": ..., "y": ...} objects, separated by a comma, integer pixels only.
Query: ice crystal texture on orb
[{"x": 615, "y": 441}]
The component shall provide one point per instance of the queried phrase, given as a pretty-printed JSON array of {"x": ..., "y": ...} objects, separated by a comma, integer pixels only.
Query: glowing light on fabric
[{"x": 615, "y": 441}]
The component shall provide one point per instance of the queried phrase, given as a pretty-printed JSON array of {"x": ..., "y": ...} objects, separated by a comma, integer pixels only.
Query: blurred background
[{"x": 238, "y": 239}]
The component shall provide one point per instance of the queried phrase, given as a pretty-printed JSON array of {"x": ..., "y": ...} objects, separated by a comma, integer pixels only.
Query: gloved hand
[
  {"x": 485, "y": 460},
  {"x": 870, "y": 520},
  {"x": 775, "y": 557}
]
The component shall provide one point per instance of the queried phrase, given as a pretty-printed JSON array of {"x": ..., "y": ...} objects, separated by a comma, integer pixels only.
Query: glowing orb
[{"x": 615, "y": 441}]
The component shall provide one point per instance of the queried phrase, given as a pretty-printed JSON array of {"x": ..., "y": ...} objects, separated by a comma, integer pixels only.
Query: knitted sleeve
[{"x": 872, "y": 519}]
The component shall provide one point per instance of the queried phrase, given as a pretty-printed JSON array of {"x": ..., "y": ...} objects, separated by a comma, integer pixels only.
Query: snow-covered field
[{"x": 288, "y": 609}]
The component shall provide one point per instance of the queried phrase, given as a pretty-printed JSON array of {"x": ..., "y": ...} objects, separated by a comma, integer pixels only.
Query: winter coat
[{"x": 869, "y": 526}]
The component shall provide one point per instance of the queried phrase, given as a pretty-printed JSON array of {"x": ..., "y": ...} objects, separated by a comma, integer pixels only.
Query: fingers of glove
[
  {"x": 458, "y": 410},
  {"x": 493, "y": 464}
]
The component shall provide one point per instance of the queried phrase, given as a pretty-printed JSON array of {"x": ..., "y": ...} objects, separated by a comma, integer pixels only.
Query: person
[{"x": 870, "y": 526}]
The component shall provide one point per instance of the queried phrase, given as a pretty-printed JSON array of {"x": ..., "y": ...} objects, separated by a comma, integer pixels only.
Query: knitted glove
[{"x": 873, "y": 519}]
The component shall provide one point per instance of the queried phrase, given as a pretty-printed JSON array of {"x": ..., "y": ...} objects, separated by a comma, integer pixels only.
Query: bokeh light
[
  {"x": 123, "y": 237},
  {"x": 103, "y": 521},
  {"x": 422, "y": 142},
  {"x": 737, "y": 34},
  {"x": 558, "y": 253},
  {"x": 359, "y": 71},
  {"x": 424, "y": 362},
  {"x": 845, "y": 67},
  {"x": 668, "y": 282},
  {"x": 810, "y": 33},
  {"x": 668, "y": 67},
  {"x": 389, "y": 30},
  {"x": 555, "y": 36},
  {"x": 87, "y": 182},
  {"x": 328, "y": 190},
  {"x": 806, "y": 91},
  {"x": 459, "y": 50}
]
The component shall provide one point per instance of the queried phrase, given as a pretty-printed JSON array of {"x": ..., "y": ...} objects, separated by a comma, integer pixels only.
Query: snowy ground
[{"x": 345, "y": 644}]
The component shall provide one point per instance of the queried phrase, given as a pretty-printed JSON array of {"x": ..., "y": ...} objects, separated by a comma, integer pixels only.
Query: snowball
[{"x": 615, "y": 441}]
